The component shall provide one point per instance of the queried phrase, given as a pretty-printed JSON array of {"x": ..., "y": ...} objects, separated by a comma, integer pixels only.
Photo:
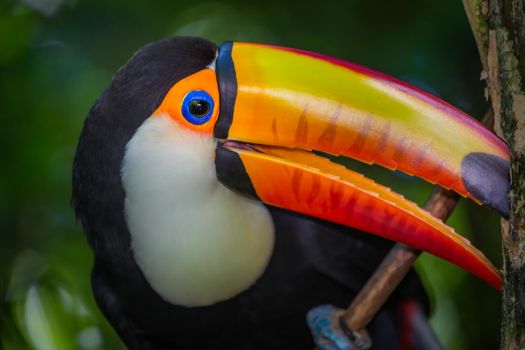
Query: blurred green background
[{"x": 56, "y": 56}]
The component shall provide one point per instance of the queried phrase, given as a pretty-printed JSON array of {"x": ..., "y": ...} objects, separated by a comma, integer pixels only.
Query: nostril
[{"x": 487, "y": 178}]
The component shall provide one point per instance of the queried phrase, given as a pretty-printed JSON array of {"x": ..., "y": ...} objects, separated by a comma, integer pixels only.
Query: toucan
[{"x": 217, "y": 219}]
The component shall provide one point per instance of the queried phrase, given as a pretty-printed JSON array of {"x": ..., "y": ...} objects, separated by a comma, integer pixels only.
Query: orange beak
[{"x": 276, "y": 104}]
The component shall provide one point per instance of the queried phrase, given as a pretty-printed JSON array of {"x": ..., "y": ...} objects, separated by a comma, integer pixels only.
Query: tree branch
[
  {"x": 477, "y": 11},
  {"x": 502, "y": 52},
  {"x": 394, "y": 267}
]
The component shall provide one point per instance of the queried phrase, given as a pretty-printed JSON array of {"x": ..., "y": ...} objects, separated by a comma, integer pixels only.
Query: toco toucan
[{"x": 216, "y": 219}]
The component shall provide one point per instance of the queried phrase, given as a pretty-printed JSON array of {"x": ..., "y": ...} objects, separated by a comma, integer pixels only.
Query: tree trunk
[{"x": 499, "y": 29}]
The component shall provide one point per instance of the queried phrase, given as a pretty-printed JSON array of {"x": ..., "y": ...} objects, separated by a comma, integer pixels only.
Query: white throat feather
[{"x": 196, "y": 241}]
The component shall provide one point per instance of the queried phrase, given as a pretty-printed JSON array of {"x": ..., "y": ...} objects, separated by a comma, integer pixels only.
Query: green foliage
[{"x": 57, "y": 56}]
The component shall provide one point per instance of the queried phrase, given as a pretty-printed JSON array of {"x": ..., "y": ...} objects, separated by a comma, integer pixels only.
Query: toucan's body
[
  {"x": 213, "y": 226},
  {"x": 314, "y": 262}
]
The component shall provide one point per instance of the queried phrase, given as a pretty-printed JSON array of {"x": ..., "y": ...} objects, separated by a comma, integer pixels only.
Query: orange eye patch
[{"x": 193, "y": 101}]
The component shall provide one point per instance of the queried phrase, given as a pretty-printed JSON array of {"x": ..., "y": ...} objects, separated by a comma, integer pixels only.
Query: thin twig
[
  {"x": 398, "y": 262},
  {"x": 394, "y": 267}
]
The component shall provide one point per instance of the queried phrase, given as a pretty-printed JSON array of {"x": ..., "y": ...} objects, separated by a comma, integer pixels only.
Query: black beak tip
[{"x": 487, "y": 178}]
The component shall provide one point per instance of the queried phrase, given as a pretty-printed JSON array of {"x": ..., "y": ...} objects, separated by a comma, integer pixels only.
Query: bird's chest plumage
[
  {"x": 196, "y": 242},
  {"x": 313, "y": 262}
]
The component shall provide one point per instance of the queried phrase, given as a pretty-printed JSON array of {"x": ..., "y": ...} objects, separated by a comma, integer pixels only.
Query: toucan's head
[{"x": 179, "y": 153}]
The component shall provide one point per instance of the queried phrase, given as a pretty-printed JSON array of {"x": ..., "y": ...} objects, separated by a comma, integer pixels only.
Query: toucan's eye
[
  {"x": 193, "y": 102},
  {"x": 197, "y": 107}
]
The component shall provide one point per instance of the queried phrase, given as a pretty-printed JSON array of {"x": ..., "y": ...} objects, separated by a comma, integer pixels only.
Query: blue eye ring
[{"x": 193, "y": 106}]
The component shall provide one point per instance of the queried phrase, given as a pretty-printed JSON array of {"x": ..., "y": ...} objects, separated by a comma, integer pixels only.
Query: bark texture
[{"x": 499, "y": 29}]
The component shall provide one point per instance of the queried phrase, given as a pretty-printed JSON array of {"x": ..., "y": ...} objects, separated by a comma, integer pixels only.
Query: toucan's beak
[{"x": 278, "y": 103}]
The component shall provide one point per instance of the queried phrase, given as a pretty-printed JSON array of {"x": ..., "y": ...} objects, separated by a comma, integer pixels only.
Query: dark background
[{"x": 56, "y": 56}]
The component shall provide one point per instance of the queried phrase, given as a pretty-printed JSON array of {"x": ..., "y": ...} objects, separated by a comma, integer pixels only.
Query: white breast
[{"x": 196, "y": 241}]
